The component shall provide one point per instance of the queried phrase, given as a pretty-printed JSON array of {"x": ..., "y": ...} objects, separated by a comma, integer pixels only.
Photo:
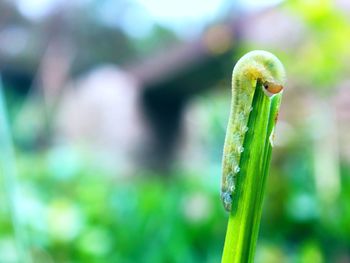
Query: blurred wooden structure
[{"x": 170, "y": 78}]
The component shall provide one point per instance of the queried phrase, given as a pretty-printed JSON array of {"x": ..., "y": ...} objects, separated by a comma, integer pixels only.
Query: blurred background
[{"x": 113, "y": 117}]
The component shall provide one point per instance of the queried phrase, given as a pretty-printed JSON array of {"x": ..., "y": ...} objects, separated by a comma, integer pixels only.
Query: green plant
[
  {"x": 8, "y": 175},
  {"x": 257, "y": 86}
]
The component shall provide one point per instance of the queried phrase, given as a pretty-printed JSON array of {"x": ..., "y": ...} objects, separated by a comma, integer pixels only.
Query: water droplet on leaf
[
  {"x": 227, "y": 200},
  {"x": 240, "y": 149}
]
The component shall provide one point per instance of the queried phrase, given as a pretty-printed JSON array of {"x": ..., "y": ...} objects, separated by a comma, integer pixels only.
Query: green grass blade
[{"x": 247, "y": 197}]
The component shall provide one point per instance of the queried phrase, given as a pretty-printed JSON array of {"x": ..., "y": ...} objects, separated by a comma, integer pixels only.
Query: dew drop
[
  {"x": 240, "y": 149},
  {"x": 236, "y": 169},
  {"x": 245, "y": 129},
  {"x": 232, "y": 158},
  {"x": 272, "y": 137},
  {"x": 233, "y": 163},
  {"x": 248, "y": 111},
  {"x": 227, "y": 200}
]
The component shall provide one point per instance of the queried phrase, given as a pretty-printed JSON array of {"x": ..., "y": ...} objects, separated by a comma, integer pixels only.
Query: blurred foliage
[
  {"x": 317, "y": 54},
  {"x": 325, "y": 49},
  {"x": 78, "y": 213}
]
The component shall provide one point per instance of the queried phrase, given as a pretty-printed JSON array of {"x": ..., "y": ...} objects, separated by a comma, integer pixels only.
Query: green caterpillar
[{"x": 254, "y": 67}]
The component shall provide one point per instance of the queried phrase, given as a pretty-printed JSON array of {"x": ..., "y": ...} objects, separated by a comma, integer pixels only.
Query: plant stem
[{"x": 254, "y": 162}]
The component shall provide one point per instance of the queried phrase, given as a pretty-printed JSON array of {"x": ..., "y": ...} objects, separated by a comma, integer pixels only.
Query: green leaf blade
[{"x": 244, "y": 219}]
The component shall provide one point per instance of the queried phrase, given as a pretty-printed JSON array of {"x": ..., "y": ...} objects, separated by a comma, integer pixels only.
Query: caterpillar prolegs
[{"x": 256, "y": 69}]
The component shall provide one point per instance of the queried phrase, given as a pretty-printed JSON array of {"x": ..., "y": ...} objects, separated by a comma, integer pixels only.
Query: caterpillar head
[{"x": 271, "y": 88}]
